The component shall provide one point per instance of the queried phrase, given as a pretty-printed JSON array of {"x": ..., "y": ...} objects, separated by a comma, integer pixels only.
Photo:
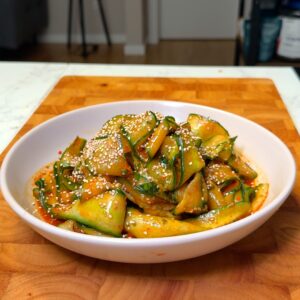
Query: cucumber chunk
[
  {"x": 241, "y": 167},
  {"x": 221, "y": 174},
  {"x": 142, "y": 225},
  {"x": 106, "y": 212},
  {"x": 261, "y": 193},
  {"x": 205, "y": 128},
  {"x": 108, "y": 158},
  {"x": 144, "y": 201},
  {"x": 190, "y": 161},
  {"x": 157, "y": 138},
  {"x": 194, "y": 197},
  {"x": 137, "y": 129},
  {"x": 216, "y": 198},
  {"x": 170, "y": 149},
  {"x": 73, "y": 151},
  {"x": 218, "y": 146},
  {"x": 113, "y": 125},
  {"x": 222, "y": 216},
  {"x": 162, "y": 174},
  {"x": 74, "y": 226}
]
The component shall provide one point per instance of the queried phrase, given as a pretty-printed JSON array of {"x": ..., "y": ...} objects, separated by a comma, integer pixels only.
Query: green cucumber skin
[
  {"x": 157, "y": 164},
  {"x": 213, "y": 218},
  {"x": 41, "y": 193},
  {"x": 127, "y": 135},
  {"x": 181, "y": 156},
  {"x": 241, "y": 167},
  {"x": 76, "y": 213},
  {"x": 57, "y": 178},
  {"x": 208, "y": 120},
  {"x": 82, "y": 145},
  {"x": 149, "y": 151}
]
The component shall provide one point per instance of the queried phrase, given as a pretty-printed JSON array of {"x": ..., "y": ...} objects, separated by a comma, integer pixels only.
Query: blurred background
[{"x": 171, "y": 32}]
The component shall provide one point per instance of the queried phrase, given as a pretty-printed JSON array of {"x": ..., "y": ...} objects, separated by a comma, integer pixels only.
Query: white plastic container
[{"x": 289, "y": 39}]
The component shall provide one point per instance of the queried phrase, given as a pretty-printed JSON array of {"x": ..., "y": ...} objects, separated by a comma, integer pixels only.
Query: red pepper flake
[
  {"x": 45, "y": 215},
  {"x": 59, "y": 152},
  {"x": 250, "y": 182}
]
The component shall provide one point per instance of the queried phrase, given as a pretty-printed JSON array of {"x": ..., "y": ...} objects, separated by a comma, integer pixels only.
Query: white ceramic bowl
[{"x": 40, "y": 146}]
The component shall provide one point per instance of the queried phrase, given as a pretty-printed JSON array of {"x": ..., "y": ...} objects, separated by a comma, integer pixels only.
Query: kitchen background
[{"x": 176, "y": 32}]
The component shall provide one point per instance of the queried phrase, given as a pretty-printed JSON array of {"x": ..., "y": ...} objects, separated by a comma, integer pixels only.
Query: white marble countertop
[{"x": 24, "y": 85}]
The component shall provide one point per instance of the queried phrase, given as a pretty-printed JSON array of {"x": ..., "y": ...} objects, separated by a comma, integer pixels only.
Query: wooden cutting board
[{"x": 264, "y": 265}]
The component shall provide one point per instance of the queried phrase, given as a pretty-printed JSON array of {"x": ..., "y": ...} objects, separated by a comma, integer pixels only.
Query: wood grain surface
[{"x": 264, "y": 265}]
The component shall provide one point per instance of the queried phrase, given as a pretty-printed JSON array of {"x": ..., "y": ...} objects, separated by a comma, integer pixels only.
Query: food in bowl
[
  {"x": 39, "y": 147},
  {"x": 146, "y": 176}
]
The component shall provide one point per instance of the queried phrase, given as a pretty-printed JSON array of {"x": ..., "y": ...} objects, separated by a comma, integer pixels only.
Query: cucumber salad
[{"x": 149, "y": 176}]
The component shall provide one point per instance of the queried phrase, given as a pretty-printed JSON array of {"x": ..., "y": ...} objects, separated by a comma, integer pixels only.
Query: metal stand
[
  {"x": 104, "y": 23},
  {"x": 237, "y": 52},
  {"x": 85, "y": 52},
  {"x": 255, "y": 33},
  {"x": 70, "y": 14}
]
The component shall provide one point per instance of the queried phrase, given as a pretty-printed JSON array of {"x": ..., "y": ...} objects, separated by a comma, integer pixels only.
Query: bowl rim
[{"x": 35, "y": 222}]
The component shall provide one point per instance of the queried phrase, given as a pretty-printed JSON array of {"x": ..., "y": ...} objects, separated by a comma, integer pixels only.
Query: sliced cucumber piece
[
  {"x": 94, "y": 186},
  {"x": 113, "y": 125},
  {"x": 106, "y": 212},
  {"x": 222, "y": 216},
  {"x": 142, "y": 225},
  {"x": 172, "y": 123},
  {"x": 221, "y": 174},
  {"x": 161, "y": 174},
  {"x": 157, "y": 138},
  {"x": 241, "y": 167},
  {"x": 170, "y": 152},
  {"x": 68, "y": 225},
  {"x": 137, "y": 130},
  {"x": 74, "y": 226},
  {"x": 192, "y": 162},
  {"x": 205, "y": 128},
  {"x": 73, "y": 151},
  {"x": 194, "y": 197},
  {"x": 242, "y": 193},
  {"x": 261, "y": 194},
  {"x": 218, "y": 146},
  {"x": 144, "y": 201},
  {"x": 216, "y": 198},
  {"x": 248, "y": 192},
  {"x": 189, "y": 161},
  {"x": 108, "y": 158},
  {"x": 170, "y": 149},
  {"x": 177, "y": 195}
]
